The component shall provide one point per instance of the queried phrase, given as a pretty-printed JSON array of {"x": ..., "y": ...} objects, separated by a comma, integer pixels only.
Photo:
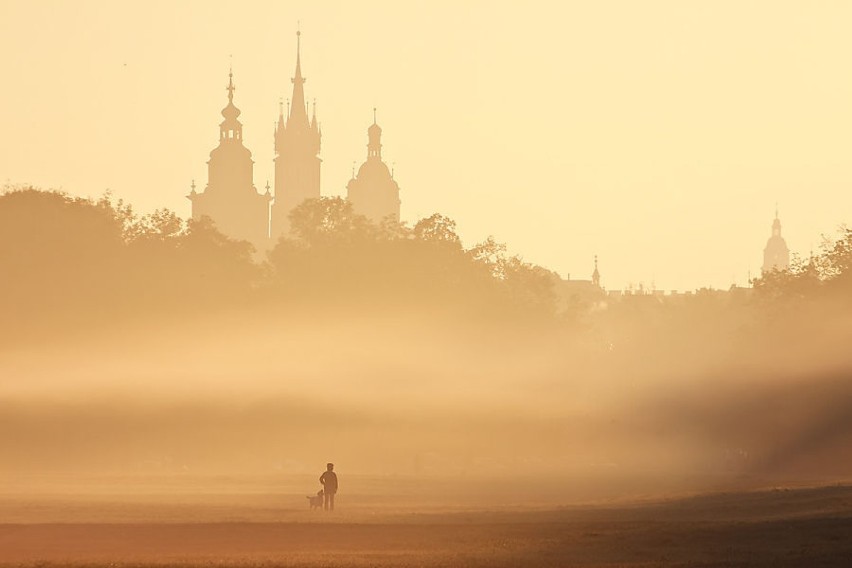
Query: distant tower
[
  {"x": 230, "y": 199},
  {"x": 596, "y": 276},
  {"x": 776, "y": 256},
  {"x": 373, "y": 192},
  {"x": 297, "y": 161}
]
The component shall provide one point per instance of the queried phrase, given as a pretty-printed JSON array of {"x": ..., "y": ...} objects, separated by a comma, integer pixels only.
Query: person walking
[{"x": 328, "y": 479}]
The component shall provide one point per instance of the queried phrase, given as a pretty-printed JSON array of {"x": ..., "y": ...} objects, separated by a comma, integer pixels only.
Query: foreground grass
[{"x": 805, "y": 527}]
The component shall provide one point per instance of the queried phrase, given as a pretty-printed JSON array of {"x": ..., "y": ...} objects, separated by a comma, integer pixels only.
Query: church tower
[
  {"x": 596, "y": 276},
  {"x": 776, "y": 256},
  {"x": 230, "y": 199},
  {"x": 297, "y": 161},
  {"x": 373, "y": 192}
]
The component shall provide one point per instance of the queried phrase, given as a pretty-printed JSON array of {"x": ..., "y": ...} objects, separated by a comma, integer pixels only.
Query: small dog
[{"x": 315, "y": 501}]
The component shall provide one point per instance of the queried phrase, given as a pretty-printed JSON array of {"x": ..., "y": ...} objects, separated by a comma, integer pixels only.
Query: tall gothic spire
[
  {"x": 297, "y": 146},
  {"x": 298, "y": 113}
]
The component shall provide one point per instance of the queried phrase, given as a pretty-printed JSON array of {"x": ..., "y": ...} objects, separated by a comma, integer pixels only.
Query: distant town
[{"x": 239, "y": 210}]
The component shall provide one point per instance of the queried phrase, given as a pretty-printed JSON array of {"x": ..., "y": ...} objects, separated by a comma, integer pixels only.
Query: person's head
[{"x": 329, "y": 466}]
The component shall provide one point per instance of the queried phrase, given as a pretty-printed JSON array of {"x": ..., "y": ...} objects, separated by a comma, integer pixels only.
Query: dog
[{"x": 315, "y": 501}]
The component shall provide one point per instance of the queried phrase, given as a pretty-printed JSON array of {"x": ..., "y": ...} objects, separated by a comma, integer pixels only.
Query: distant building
[
  {"x": 230, "y": 199},
  {"x": 373, "y": 192},
  {"x": 776, "y": 255},
  {"x": 573, "y": 293},
  {"x": 297, "y": 161},
  {"x": 240, "y": 212},
  {"x": 596, "y": 276}
]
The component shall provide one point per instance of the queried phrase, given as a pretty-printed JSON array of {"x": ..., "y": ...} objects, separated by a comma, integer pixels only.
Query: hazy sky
[{"x": 656, "y": 134}]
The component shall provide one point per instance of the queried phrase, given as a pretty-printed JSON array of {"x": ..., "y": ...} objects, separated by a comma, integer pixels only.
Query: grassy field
[{"x": 233, "y": 523}]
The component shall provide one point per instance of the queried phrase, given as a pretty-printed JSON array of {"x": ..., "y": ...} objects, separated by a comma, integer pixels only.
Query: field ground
[{"x": 412, "y": 523}]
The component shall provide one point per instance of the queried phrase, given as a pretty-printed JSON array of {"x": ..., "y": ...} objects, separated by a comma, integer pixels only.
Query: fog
[
  {"x": 150, "y": 346},
  {"x": 417, "y": 394}
]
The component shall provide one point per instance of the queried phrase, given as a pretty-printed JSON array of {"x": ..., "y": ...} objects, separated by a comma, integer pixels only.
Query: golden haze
[{"x": 658, "y": 135}]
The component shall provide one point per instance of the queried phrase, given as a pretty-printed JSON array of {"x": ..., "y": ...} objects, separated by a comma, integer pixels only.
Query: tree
[
  {"x": 60, "y": 258},
  {"x": 329, "y": 220},
  {"x": 437, "y": 229}
]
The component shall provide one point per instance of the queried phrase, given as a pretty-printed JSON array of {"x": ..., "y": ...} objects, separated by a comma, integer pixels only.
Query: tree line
[{"x": 69, "y": 261}]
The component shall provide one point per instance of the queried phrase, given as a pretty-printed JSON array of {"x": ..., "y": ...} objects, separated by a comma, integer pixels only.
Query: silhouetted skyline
[
  {"x": 632, "y": 132},
  {"x": 239, "y": 211}
]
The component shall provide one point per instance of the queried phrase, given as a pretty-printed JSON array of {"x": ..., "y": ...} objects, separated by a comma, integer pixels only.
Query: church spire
[
  {"x": 230, "y": 88},
  {"x": 230, "y": 128},
  {"x": 776, "y": 224},
  {"x": 230, "y": 199},
  {"x": 596, "y": 276},
  {"x": 298, "y": 111},
  {"x": 374, "y": 139},
  {"x": 776, "y": 255},
  {"x": 297, "y": 147}
]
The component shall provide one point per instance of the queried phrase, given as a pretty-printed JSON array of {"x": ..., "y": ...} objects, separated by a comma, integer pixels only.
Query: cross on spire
[{"x": 230, "y": 88}]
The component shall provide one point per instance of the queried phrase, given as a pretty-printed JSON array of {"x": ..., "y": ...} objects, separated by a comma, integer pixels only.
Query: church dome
[
  {"x": 776, "y": 243},
  {"x": 231, "y": 112},
  {"x": 374, "y": 169},
  {"x": 229, "y": 150}
]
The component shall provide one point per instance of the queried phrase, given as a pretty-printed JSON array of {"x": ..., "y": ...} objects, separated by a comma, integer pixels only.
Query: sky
[{"x": 658, "y": 135}]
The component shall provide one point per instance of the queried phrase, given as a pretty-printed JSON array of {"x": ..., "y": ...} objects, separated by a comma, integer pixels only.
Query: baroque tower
[
  {"x": 297, "y": 161},
  {"x": 230, "y": 199},
  {"x": 373, "y": 192},
  {"x": 776, "y": 255}
]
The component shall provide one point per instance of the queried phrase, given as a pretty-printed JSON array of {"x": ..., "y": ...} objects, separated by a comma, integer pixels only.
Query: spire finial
[
  {"x": 297, "y": 114},
  {"x": 230, "y": 88},
  {"x": 374, "y": 115},
  {"x": 298, "y": 42},
  {"x": 192, "y": 185},
  {"x": 280, "y": 107},
  {"x": 776, "y": 209}
]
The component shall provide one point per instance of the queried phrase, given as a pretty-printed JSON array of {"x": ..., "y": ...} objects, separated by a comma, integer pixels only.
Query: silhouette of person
[{"x": 328, "y": 479}]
